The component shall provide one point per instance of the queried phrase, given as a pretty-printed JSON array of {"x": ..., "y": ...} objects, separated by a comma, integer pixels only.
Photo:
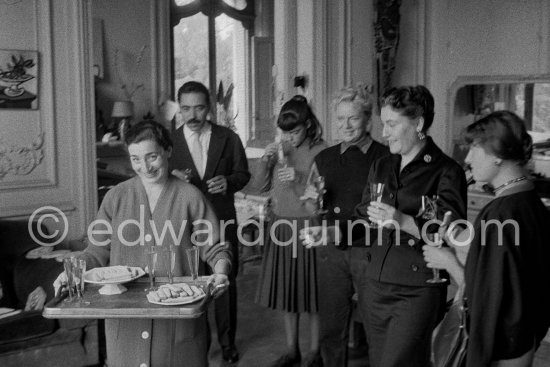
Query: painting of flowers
[{"x": 18, "y": 79}]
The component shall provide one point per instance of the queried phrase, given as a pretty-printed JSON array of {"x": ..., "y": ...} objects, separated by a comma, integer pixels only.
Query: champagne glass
[
  {"x": 320, "y": 187},
  {"x": 69, "y": 272},
  {"x": 434, "y": 239},
  {"x": 376, "y": 192},
  {"x": 281, "y": 155},
  {"x": 171, "y": 263},
  {"x": 152, "y": 257},
  {"x": 79, "y": 267},
  {"x": 193, "y": 261},
  {"x": 429, "y": 207}
]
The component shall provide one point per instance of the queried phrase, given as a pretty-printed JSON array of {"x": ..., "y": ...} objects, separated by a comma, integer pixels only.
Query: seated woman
[
  {"x": 156, "y": 200},
  {"x": 507, "y": 270}
]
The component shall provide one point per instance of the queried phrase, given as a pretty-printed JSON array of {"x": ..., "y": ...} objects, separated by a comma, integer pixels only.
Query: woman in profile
[
  {"x": 288, "y": 281},
  {"x": 507, "y": 270}
]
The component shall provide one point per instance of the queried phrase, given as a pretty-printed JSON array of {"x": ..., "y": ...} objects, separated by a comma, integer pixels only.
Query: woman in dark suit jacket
[{"x": 403, "y": 308}]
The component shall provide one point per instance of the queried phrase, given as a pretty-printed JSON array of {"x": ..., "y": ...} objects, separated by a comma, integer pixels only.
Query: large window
[{"x": 211, "y": 41}]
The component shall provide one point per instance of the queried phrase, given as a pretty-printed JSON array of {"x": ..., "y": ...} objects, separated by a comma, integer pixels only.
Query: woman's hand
[
  {"x": 36, "y": 299},
  {"x": 219, "y": 282},
  {"x": 270, "y": 150},
  {"x": 310, "y": 193},
  {"x": 319, "y": 235},
  {"x": 444, "y": 258},
  {"x": 439, "y": 257},
  {"x": 383, "y": 213},
  {"x": 59, "y": 282},
  {"x": 286, "y": 174}
]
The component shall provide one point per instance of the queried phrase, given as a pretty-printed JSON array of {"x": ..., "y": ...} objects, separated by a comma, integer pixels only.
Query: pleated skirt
[{"x": 288, "y": 278}]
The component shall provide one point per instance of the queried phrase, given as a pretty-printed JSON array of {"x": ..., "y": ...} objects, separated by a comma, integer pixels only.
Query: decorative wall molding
[
  {"x": 21, "y": 160},
  {"x": 18, "y": 161}
]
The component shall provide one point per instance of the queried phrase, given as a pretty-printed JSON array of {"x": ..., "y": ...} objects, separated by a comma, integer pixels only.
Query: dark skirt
[{"x": 288, "y": 280}]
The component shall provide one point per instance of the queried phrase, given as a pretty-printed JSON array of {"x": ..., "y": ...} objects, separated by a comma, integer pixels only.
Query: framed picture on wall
[{"x": 18, "y": 79}]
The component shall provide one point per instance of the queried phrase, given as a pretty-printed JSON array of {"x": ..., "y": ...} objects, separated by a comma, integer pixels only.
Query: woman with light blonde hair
[{"x": 341, "y": 265}]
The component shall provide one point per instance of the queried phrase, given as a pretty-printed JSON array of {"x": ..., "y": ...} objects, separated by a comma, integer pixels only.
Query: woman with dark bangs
[
  {"x": 289, "y": 278},
  {"x": 507, "y": 269}
]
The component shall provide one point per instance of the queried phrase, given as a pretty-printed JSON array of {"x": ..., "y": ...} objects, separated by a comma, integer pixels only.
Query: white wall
[
  {"x": 62, "y": 178},
  {"x": 469, "y": 38},
  {"x": 329, "y": 42}
]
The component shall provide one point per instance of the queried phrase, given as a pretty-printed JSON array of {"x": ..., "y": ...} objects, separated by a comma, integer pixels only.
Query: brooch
[{"x": 427, "y": 158}]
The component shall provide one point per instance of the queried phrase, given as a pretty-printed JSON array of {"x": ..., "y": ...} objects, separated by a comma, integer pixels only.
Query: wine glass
[
  {"x": 376, "y": 191},
  {"x": 320, "y": 187},
  {"x": 152, "y": 257},
  {"x": 434, "y": 239}
]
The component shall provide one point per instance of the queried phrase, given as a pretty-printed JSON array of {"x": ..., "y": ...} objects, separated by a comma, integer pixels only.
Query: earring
[{"x": 421, "y": 135}]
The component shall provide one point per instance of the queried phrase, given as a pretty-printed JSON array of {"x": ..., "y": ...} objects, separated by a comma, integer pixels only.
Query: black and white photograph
[{"x": 275, "y": 183}]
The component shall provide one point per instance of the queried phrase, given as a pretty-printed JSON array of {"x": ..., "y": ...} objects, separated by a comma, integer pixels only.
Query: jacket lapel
[{"x": 215, "y": 149}]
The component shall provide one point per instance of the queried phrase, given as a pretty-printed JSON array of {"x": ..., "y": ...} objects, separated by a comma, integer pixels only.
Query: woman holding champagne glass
[
  {"x": 288, "y": 281},
  {"x": 507, "y": 269},
  {"x": 156, "y": 199},
  {"x": 402, "y": 307}
]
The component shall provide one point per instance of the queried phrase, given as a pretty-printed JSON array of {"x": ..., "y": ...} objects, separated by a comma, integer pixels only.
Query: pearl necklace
[{"x": 518, "y": 179}]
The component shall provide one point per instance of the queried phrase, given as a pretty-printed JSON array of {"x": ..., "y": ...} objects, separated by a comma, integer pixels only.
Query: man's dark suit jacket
[{"x": 226, "y": 157}]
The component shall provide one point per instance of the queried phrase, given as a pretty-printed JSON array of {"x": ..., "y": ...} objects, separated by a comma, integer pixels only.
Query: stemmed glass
[
  {"x": 152, "y": 257},
  {"x": 281, "y": 155},
  {"x": 79, "y": 268},
  {"x": 69, "y": 272},
  {"x": 171, "y": 263},
  {"x": 376, "y": 191},
  {"x": 321, "y": 191},
  {"x": 193, "y": 260},
  {"x": 429, "y": 207},
  {"x": 429, "y": 212},
  {"x": 435, "y": 240}
]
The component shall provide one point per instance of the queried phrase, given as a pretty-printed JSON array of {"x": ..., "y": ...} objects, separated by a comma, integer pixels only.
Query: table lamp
[{"x": 122, "y": 111}]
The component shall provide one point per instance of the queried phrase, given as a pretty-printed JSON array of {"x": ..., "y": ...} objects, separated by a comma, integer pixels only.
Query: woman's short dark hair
[
  {"x": 412, "y": 102},
  {"x": 195, "y": 87},
  {"x": 503, "y": 134},
  {"x": 149, "y": 130},
  {"x": 296, "y": 112}
]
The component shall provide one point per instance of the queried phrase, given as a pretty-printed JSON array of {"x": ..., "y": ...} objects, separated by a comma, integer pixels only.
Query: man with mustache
[{"x": 212, "y": 158}]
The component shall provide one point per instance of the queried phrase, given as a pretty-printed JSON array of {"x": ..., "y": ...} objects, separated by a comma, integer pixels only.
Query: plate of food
[
  {"x": 117, "y": 274},
  {"x": 176, "y": 294}
]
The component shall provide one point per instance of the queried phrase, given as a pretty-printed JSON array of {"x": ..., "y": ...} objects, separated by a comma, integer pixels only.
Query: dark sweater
[
  {"x": 507, "y": 276},
  {"x": 345, "y": 179}
]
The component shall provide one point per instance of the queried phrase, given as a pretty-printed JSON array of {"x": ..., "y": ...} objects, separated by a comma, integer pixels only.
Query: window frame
[{"x": 211, "y": 9}]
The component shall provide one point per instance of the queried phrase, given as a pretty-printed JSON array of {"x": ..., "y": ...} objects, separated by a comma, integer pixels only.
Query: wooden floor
[{"x": 260, "y": 334}]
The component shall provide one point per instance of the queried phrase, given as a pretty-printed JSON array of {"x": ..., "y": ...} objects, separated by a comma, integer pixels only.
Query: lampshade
[{"x": 123, "y": 109}]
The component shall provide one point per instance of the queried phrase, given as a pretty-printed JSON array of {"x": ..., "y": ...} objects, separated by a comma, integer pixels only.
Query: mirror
[{"x": 528, "y": 96}]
